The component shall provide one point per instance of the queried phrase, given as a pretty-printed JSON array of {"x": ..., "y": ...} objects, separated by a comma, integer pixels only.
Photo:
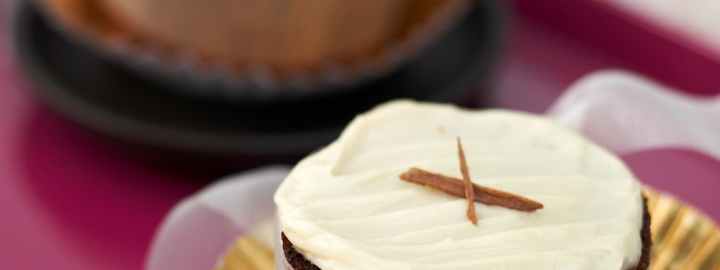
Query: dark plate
[{"x": 101, "y": 95}]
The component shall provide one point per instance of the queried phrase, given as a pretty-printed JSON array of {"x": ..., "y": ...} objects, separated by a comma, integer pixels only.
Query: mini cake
[
  {"x": 286, "y": 37},
  {"x": 434, "y": 187}
]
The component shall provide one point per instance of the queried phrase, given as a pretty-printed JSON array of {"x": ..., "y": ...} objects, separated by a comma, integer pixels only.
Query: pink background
[{"x": 71, "y": 199}]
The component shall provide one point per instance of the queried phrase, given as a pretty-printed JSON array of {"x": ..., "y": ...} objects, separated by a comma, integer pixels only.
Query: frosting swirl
[{"x": 344, "y": 207}]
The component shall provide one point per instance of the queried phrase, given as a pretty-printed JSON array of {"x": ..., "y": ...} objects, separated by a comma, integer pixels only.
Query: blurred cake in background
[
  {"x": 283, "y": 37},
  {"x": 283, "y": 34}
]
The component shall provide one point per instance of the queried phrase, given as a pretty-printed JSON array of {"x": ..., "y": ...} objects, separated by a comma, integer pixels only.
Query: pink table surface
[{"x": 70, "y": 199}]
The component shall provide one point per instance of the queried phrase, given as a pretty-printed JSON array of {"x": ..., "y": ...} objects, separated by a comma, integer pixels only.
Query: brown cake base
[{"x": 298, "y": 262}]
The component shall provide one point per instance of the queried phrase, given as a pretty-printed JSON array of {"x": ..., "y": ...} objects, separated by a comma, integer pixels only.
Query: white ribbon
[
  {"x": 626, "y": 113},
  {"x": 200, "y": 228}
]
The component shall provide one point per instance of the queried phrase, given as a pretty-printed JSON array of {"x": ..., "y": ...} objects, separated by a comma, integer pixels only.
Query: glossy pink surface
[{"x": 70, "y": 199}]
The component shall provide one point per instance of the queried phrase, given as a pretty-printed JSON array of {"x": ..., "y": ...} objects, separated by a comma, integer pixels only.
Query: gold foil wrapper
[
  {"x": 247, "y": 254},
  {"x": 683, "y": 239}
]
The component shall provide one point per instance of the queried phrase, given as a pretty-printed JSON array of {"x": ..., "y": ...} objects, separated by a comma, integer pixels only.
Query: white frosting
[{"x": 345, "y": 208}]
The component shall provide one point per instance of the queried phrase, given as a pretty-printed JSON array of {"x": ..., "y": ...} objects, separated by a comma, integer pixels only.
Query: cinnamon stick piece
[
  {"x": 467, "y": 183},
  {"x": 456, "y": 187}
]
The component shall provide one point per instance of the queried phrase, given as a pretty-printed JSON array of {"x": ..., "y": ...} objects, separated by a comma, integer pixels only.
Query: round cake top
[{"x": 345, "y": 207}]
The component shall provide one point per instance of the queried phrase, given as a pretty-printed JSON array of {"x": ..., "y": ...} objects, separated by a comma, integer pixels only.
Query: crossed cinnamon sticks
[{"x": 466, "y": 189}]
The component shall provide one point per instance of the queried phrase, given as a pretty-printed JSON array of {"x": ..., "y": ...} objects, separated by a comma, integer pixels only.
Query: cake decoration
[
  {"x": 467, "y": 183},
  {"x": 465, "y": 188},
  {"x": 485, "y": 195}
]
